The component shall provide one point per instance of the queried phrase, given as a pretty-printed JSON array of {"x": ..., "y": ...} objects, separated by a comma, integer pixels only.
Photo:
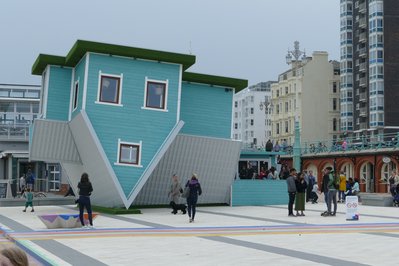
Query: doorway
[{"x": 54, "y": 177}]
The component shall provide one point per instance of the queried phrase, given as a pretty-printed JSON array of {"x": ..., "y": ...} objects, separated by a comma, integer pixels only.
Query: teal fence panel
[{"x": 259, "y": 192}]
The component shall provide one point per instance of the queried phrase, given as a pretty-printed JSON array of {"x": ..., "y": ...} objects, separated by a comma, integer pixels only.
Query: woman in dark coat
[
  {"x": 195, "y": 191},
  {"x": 85, "y": 189},
  {"x": 300, "y": 194}
]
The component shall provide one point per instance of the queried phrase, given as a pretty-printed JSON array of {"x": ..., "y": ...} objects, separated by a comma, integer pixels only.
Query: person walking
[
  {"x": 175, "y": 190},
  {"x": 332, "y": 193},
  {"x": 195, "y": 190},
  {"x": 28, "y": 195},
  {"x": 85, "y": 189},
  {"x": 30, "y": 179},
  {"x": 301, "y": 185},
  {"x": 291, "y": 187},
  {"x": 22, "y": 184}
]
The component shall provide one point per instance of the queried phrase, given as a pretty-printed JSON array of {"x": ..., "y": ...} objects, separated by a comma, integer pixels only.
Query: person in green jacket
[{"x": 28, "y": 195}]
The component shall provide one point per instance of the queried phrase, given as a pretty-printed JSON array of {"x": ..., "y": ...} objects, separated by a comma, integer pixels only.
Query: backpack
[{"x": 336, "y": 181}]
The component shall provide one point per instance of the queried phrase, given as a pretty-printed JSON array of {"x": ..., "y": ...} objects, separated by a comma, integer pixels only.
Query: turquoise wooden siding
[
  {"x": 79, "y": 76},
  {"x": 212, "y": 121},
  {"x": 131, "y": 123},
  {"x": 259, "y": 192},
  {"x": 58, "y": 93}
]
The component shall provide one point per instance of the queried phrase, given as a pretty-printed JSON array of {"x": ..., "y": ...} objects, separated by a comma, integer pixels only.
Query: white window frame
[
  {"x": 100, "y": 75},
  {"x": 75, "y": 96},
  {"x": 140, "y": 145},
  {"x": 166, "y": 82}
]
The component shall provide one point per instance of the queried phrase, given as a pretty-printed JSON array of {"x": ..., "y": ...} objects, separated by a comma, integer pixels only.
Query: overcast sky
[{"x": 245, "y": 39}]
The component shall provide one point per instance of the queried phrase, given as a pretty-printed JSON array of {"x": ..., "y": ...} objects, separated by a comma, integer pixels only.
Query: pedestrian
[
  {"x": 312, "y": 181},
  {"x": 332, "y": 186},
  {"x": 14, "y": 255},
  {"x": 301, "y": 185},
  {"x": 85, "y": 189},
  {"x": 393, "y": 181},
  {"x": 325, "y": 189},
  {"x": 314, "y": 192},
  {"x": 291, "y": 187},
  {"x": 28, "y": 195},
  {"x": 175, "y": 190},
  {"x": 342, "y": 187},
  {"x": 30, "y": 179},
  {"x": 22, "y": 184},
  {"x": 195, "y": 190}
]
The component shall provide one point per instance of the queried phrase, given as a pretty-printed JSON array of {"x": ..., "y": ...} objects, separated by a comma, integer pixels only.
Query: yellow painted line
[{"x": 335, "y": 231}]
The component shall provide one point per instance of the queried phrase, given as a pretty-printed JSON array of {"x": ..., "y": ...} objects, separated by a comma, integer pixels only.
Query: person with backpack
[{"x": 333, "y": 185}]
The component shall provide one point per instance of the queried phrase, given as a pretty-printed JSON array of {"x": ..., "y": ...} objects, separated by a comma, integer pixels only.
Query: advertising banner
[{"x": 351, "y": 204}]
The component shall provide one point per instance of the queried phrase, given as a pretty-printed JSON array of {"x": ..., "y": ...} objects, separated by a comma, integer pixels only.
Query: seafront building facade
[
  {"x": 369, "y": 66},
  {"x": 252, "y": 115},
  {"x": 134, "y": 117},
  {"x": 309, "y": 93}
]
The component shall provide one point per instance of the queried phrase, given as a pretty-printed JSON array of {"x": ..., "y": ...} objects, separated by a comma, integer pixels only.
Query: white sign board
[{"x": 351, "y": 204}]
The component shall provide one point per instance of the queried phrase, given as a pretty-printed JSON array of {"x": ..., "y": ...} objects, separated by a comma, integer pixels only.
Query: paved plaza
[{"x": 219, "y": 236}]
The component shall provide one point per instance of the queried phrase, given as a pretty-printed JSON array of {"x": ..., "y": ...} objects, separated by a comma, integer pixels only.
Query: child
[
  {"x": 29, "y": 199},
  {"x": 313, "y": 195}
]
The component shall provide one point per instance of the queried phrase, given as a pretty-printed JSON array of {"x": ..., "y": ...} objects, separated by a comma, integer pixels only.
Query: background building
[
  {"x": 369, "y": 66},
  {"x": 19, "y": 107},
  {"x": 309, "y": 92},
  {"x": 252, "y": 115}
]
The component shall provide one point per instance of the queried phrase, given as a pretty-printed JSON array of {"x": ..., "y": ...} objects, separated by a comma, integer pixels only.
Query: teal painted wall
[
  {"x": 58, "y": 93},
  {"x": 259, "y": 192},
  {"x": 79, "y": 76},
  {"x": 212, "y": 121},
  {"x": 130, "y": 122}
]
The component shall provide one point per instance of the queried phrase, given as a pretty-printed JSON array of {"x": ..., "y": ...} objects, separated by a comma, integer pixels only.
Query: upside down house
[{"x": 133, "y": 117}]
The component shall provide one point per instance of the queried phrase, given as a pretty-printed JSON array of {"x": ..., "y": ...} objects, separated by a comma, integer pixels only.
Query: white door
[{"x": 54, "y": 176}]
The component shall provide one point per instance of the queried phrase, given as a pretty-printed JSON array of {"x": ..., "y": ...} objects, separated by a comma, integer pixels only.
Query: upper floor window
[
  {"x": 235, "y": 104},
  {"x": 252, "y": 111},
  {"x": 75, "y": 95},
  {"x": 110, "y": 89}
]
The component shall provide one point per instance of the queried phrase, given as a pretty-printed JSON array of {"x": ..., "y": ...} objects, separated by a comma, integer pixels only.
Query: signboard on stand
[{"x": 351, "y": 204}]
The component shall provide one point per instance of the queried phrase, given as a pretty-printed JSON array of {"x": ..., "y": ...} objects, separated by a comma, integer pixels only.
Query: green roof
[
  {"x": 238, "y": 84},
  {"x": 81, "y": 47}
]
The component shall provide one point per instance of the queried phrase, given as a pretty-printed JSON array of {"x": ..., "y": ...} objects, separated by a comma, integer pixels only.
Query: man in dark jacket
[
  {"x": 291, "y": 187},
  {"x": 325, "y": 189}
]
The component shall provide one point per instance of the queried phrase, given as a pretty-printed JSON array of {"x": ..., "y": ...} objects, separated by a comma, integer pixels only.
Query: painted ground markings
[{"x": 208, "y": 231}]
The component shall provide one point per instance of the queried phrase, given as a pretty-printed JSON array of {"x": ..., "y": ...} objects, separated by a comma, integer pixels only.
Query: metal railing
[
  {"x": 363, "y": 143},
  {"x": 14, "y": 132}
]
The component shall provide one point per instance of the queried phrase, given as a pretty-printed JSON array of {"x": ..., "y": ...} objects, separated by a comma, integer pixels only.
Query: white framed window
[
  {"x": 155, "y": 95},
  {"x": 109, "y": 89},
  {"x": 75, "y": 95},
  {"x": 129, "y": 153}
]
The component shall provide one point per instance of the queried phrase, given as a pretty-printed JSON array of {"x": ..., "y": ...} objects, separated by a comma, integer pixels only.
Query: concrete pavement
[{"x": 219, "y": 236}]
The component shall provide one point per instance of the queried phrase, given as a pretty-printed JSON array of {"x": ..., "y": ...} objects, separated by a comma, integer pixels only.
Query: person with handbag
[
  {"x": 195, "y": 190},
  {"x": 85, "y": 190}
]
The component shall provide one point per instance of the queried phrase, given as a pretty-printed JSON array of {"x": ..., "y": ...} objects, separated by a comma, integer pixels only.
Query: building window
[
  {"x": 110, "y": 89},
  {"x": 252, "y": 122},
  {"x": 235, "y": 104},
  {"x": 75, "y": 95},
  {"x": 334, "y": 104},
  {"x": 334, "y": 124},
  {"x": 129, "y": 154},
  {"x": 155, "y": 94},
  {"x": 277, "y": 128},
  {"x": 286, "y": 127},
  {"x": 334, "y": 87},
  {"x": 235, "y": 126},
  {"x": 252, "y": 111}
]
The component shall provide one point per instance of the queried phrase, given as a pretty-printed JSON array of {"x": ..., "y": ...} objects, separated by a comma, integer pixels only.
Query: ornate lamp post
[{"x": 293, "y": 58}]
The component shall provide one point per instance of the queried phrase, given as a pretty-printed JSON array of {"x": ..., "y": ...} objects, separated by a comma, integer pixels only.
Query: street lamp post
[{"x": 295, "y": 58}]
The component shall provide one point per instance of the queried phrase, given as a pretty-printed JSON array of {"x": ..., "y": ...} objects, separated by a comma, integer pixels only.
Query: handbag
[{"x": 186, "y": 192}]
